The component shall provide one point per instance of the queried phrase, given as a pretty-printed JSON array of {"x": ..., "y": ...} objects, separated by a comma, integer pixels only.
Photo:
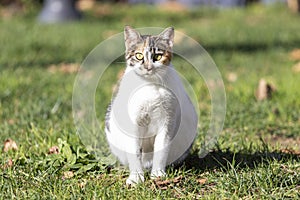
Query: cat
[{"x": 151, "y": 122}]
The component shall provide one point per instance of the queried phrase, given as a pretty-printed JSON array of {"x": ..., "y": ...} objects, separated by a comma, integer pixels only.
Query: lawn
[{"x": 256, "y": 155}]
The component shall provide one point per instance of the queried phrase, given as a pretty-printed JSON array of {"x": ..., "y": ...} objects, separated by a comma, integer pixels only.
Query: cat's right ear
[{"x": 131, "y": 37}]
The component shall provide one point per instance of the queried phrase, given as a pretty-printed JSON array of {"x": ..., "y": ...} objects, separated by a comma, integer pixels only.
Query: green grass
[{"x": 250, "y": 160}]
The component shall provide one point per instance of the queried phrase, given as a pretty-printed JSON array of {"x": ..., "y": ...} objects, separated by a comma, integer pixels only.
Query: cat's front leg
[
  {"x": 160, "y": 155},
  {"x": 135, "y": 165}
]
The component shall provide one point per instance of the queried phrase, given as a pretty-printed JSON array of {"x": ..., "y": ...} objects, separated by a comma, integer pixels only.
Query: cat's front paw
[
  {"x": 135, "y": 178},
  {"x": 158, "y": 173},
  {"x": 144, "y": 120}
]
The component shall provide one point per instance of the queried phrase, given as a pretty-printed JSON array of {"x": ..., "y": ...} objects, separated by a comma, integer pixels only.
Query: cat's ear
[
  {"x": 167, "y": 36},
  {"x": 131, "y": 37}
]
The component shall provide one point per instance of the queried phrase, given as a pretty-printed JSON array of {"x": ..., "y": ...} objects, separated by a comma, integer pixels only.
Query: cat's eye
[
  {"x": 157, "y": 57},
  {"x": 139, "y": 56}
]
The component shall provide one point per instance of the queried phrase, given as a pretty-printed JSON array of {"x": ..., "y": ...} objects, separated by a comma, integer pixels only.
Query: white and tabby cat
[{"x": 151, "y": 122}]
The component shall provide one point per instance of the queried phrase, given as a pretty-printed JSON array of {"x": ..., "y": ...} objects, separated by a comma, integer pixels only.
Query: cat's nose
[{"x": 148, "y": 67}]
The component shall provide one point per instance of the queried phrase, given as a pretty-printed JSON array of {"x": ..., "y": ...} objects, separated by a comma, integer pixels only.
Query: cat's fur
[{"x": 151, "y": 121}]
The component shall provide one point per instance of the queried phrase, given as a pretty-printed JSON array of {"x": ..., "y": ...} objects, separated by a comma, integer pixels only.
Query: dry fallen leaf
[
  {"x": 202, "y": 181},
  {"x": 164, "y": 184},
  {"x": 11, "y": 121},
  {"x": 264, "y": 90},
  {"x": 82, "y": 184},
  {"x": 10, "y": 163},
  {"x": 160, "y": 182},
  {"x": 296, "y": 68},
  {"x": 53, "y": 150},
  {"x": 232, "y": 77},
  {"x": 177, "y": 179},
  {"x": 295, "y": 54},
  {"x": 66, "y": 68},
  {"x": 67, "y": 175},
  {"x": 9, "y": 144}
]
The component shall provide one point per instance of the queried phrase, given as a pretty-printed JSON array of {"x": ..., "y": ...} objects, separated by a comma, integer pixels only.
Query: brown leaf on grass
[
  {"x": 164, "y": 184},
  {"x": 232, "y": 77},
  {"x": 177, "y": 179},
  {"x": 8, "y": 164},
  {"x": 202, "y": 181},
  {"x": 66, "y": 68},
  {"x": 82, "y": 184},
  {"x": 67, "y": 175},
  {"x": 164, "y": 188},
  {"x": 9, "y": 144},
  {"x": 160, "y": 182},
  {"x": 53, "y": 150},
  {"x": 264, "y": 90},
  {"x": 296, "y": 68},
  {"x": 295, "y": 54},
  {"x": 11, "y": 121}
]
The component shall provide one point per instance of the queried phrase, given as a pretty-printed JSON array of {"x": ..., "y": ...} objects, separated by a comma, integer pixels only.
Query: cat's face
[{"x": 148, "y": 55}]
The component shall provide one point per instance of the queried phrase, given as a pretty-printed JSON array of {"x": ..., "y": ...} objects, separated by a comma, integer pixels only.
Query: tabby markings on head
[{"x": 148, "y": 49}]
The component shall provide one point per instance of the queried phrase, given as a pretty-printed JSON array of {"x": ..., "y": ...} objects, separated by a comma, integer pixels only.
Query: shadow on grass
[{"x": 220, "y": 159}]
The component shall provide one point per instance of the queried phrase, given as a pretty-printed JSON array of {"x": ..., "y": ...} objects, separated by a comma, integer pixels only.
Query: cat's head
[{"x": 148, "y": 55}]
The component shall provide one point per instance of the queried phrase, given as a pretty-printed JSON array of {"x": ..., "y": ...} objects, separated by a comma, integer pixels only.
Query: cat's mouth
[{"x": 145, "y": 72}]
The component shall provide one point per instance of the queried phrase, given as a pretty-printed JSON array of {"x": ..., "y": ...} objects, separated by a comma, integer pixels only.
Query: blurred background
[{"x": 28, "y": 19}]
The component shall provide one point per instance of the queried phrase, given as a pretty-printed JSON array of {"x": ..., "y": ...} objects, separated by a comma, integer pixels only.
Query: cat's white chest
[
  {"x": 146, "y": 107},
  {"x": 146, "y": 94}
]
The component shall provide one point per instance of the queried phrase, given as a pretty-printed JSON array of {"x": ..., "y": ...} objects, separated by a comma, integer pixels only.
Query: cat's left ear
[
  {"x": 131, "y": 37},
  {"x": 167, "y": 36}
]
